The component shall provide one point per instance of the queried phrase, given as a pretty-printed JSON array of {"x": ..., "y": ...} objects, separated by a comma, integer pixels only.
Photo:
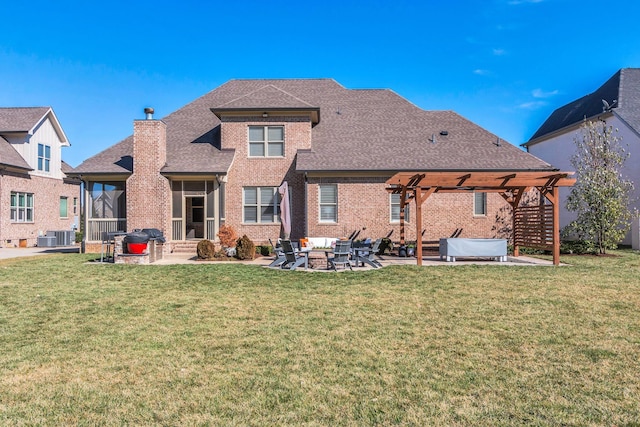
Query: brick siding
[
  {"x": 46, "y": 207},
  {"x": 264, "y": 172},
  {"x": 148, "y": 192},
  {"x": 364, "y": 208}
]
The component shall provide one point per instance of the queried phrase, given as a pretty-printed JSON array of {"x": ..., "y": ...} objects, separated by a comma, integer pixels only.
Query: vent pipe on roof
[{"x": 149, "y": 112}]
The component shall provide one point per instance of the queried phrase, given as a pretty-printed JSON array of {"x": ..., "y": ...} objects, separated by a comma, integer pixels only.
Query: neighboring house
[
  {"x": 35, "y": 194},
  {"x": 617, "y": 102},
  {"x": 221, "y": 158}
]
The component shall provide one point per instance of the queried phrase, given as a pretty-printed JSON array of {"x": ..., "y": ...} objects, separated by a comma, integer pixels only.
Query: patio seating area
[{"x": 362, "y": 256}]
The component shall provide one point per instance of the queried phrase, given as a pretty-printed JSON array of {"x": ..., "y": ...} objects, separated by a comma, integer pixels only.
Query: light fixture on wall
[{"x": 265, "y": 114}]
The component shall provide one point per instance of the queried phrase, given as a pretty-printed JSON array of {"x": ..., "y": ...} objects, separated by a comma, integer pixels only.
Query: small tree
[
  {"x": 227, "y": 236},
  {"x": 601, "y": 195}
]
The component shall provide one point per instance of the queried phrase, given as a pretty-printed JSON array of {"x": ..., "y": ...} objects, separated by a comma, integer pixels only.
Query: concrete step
[{"x": 185, "y": 247}]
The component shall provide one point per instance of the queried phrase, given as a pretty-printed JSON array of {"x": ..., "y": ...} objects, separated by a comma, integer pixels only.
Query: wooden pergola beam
[{"x": 483, "y": 179}]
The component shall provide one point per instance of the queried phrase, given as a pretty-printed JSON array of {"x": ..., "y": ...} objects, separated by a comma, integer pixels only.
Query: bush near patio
[{"x": 231, "y": 344}]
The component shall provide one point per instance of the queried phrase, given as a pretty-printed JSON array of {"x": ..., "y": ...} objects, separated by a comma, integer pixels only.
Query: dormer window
[
  {"x": 44, "y": 157},
  {"x": 266, "y": 141}
]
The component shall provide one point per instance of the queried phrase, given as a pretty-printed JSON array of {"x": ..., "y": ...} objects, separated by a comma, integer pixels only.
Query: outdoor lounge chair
[
  {"x": 369, "y": 257},
  {"x": 293, "y": 259},
  {"x": 280, "y": 257},
  {"x": 341, "y": 255}
]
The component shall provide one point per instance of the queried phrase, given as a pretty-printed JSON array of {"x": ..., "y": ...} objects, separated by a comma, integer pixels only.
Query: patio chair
[
  {"x": 369, "y": 257},
  {"x": 341, "y": 255},
  {"x": 280, "y": 257},
  {"x": 293, "y": 259}
]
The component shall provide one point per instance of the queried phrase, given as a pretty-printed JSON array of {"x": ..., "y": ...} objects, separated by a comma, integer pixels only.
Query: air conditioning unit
[
  {"x": 46, "y": 241},
  {"x": 63, "y": 237}
]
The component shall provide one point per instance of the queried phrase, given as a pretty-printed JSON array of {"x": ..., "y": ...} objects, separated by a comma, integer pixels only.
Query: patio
[{"x": 386, "y": 260}]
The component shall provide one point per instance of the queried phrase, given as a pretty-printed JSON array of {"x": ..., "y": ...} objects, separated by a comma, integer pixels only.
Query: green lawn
[{"x": 212, "y": 344}]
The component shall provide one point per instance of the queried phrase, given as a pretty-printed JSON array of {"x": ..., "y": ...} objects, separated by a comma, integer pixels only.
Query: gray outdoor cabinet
[{"x": 452, "y": 248}]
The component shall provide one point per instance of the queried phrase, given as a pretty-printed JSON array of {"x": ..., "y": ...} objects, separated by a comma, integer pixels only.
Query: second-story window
[
  {"x": 266, "y": 141},
  {"x": 44, "y": 157}
]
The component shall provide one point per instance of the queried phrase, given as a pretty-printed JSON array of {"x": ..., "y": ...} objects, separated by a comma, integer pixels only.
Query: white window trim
[
  {"x": 320, "y": 204},
  {"x": 44, "y": 162},
  {"x": 26, "y": 208},
  {"x": 407, "y": 210},
  {"x": 484, "y": 208},
  {"x": 265, "y": 142},
  {"x": 276, "y": 206}
]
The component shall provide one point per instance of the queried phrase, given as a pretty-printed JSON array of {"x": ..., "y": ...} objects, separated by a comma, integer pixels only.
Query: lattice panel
[{"x": 533, "y": 227}]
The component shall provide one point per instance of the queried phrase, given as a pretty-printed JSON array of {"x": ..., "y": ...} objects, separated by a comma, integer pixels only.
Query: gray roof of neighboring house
[
  {"x": 20, "y": 119},
  {"x": 360, "y": 130},
  {"x": 623, "y": 88},
  {"x": 10, "y": 157}
]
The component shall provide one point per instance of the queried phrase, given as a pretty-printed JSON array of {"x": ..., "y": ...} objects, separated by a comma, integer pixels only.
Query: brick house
[
  {"x": 221, "y": 158},
  {"x": 36, "y": 195},
  {"x": 616, "y": 102}
]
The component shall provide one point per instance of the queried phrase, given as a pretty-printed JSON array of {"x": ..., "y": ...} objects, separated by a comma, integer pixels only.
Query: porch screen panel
[
  {"x": 107, "y": 200},
  {"x": 193, "y": 188},
  {"x": 176, "y": 199},
  {"x": 210, "y": 199}
]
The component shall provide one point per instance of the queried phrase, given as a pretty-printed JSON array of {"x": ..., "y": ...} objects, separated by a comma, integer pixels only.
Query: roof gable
[
  {"x": 27, "y": 119},
  {"x": 267, "y": 96}
]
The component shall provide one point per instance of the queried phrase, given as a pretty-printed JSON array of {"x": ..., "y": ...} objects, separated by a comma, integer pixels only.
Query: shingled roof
[
  {"x": 360, "y": 130},
  {"x": 621, "y": 92},
  {"x": 10, "y": 157},
  {"x": 21, "y": 119},
  {"x": 17, "y": 120}
]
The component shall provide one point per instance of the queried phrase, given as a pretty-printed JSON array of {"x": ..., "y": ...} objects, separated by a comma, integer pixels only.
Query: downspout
[{"x": 306, "y": 206}]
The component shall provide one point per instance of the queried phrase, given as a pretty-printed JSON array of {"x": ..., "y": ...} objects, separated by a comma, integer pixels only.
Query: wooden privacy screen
[{"x": 533, "y": 227}]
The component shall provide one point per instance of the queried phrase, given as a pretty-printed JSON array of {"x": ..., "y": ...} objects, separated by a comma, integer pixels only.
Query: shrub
[
  {"x": 579, "y": 247},
  {"x": 206, "y": 249},
  {"x": 264, "y": 250},
  {"x": 79, "y": 237},
  {"x": 245, "y": 248},
  {"x": 227, "y": 236}
]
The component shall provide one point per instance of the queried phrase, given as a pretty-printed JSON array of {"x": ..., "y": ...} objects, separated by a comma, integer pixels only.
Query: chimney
[{"x": 147, "y": 190}]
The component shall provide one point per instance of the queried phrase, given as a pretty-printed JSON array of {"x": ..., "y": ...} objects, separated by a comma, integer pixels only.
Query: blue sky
[{"x": 503, "y": 64}]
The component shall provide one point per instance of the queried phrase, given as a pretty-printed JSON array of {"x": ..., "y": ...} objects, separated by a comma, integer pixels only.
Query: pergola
[{"x": 533, "y": 226}]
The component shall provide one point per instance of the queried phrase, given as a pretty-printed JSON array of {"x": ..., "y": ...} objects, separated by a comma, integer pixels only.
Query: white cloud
[
  {"x": 533, "y": 105},
  {"x": 481, "y": 72},
  {"x": 499, "y": 52},
  {"x": 539, "y": 93}
]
